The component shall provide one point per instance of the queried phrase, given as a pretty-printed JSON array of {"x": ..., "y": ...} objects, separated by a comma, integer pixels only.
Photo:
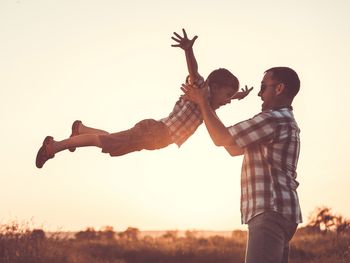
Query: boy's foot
[
  {"x": 75, "y": 132},
  {"x": 45, "y": 152}
]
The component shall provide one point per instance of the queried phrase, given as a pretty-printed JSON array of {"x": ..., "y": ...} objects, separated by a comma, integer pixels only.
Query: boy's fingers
[
  {"x": 175, "y": 39},
  {"x": 184, "y": 32},
  {"x": 176, "y": 34},
  {"x": 184, "y": 88}
]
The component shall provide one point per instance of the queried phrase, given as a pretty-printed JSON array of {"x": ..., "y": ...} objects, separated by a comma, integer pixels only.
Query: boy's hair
[
  {"x": 222, "y": 77},
  {"x": 288, "y": 77}
]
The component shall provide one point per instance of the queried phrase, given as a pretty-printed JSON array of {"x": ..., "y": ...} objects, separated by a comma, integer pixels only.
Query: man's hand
[
  {"x": 195, "y": 94},
  {"x": 183, "y": 42},
  {"x": 242, "y": 94}
]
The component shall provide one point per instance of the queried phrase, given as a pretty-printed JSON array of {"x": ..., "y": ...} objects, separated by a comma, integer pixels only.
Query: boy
[{"x": 151, "y": 134}]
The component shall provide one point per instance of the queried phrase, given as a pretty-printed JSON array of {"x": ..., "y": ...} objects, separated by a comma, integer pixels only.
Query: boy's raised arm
[{"x": 186, "y": 44}]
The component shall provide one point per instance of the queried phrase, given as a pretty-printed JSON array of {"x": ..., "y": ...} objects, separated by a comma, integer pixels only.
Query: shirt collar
[{"x": 280, "y": 108}]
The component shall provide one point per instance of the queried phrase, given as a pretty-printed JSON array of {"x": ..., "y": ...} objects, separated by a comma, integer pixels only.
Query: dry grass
[{"x": 19, "y": 244}]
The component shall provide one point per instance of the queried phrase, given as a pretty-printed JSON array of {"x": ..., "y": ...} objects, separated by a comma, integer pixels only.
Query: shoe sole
[{"x": 42, "y": 155}]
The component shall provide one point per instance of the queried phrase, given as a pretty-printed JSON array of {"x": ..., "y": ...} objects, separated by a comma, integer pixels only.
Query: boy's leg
[
  {"x": 268, "y": 238},
  {"x": 147, "y": 134},
  {"x": 50, "y": 147},
  {"x": 148, "y": 127},
  {"x": 82, "y": 140},
  {"x": 79, "y": 128}
]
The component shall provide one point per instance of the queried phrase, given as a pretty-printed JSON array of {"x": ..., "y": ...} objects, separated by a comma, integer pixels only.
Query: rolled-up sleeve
[{"x": 257, "y": 129}]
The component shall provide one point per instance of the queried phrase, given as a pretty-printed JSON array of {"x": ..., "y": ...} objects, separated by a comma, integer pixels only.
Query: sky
[{"x": 111, "y": 64}]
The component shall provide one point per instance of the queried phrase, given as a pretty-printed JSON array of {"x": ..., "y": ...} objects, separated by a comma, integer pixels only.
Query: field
[{"x": 18, "y": 244}]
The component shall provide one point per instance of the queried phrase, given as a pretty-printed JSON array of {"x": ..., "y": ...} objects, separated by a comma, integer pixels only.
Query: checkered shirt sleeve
[
  {"x": 259, "y": 128},
  {"x": 184, "y": 119}
]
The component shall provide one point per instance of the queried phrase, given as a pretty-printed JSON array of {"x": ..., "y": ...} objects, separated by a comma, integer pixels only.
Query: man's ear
[{"x": 280, "y": 88}]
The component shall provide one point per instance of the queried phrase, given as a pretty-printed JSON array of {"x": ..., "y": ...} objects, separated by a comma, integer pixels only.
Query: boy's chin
[{"x": 215, "y": 107}]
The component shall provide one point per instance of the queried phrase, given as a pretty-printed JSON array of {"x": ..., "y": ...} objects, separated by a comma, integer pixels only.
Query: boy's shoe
[
  {"x": 75, "y": 132},
  {"x": 45, "y": 152}
]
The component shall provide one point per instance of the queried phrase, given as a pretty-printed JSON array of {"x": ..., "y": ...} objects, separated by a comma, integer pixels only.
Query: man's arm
[
  {"x": 187, "y": 44},
  {"x": 234, "y": 150},
  {"x": 217, "y": 130}
]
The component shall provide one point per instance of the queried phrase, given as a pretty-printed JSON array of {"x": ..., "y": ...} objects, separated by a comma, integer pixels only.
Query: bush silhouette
[
  {"x": 322, "y": 219},
  {"x": 130, "y": 234}
]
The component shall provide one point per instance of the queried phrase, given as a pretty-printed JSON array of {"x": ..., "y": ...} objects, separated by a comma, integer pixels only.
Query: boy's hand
[
  {"x": 183, "y": 42},
  {"x": 242, "y": 94}
]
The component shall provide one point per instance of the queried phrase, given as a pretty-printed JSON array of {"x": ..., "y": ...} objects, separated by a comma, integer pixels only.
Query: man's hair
[
  {"x": 222, "y": 77},
  {"x": 288, "y": 77}
]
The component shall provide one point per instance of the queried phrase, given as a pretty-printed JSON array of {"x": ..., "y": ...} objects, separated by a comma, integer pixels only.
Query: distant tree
[
  {"x": 88, "y": 234},
  {"x": 171, "y": 234},
  {"x": 131, "y": 234},
  {"x": 107, "y": 233},
  {"x": 322, "y": 219},
  {"x": 342, "y": 224}
]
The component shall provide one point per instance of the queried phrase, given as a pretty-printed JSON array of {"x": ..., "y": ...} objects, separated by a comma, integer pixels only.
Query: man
[
  {"x": 151, "y": 134},
  {"x": 270, "y": 144}
]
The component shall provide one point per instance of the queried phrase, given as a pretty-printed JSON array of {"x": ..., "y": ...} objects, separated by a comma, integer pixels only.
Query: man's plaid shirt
[
  {"x": 185, "y": 118},
  {"x": 271, "y": 150}
]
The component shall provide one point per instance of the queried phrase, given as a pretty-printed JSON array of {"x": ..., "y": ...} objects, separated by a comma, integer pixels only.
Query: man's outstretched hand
[
  {"x": 242, "y": 94},
  {"x": 195, "y": 94},
  {"x": 183, "y": 42}
]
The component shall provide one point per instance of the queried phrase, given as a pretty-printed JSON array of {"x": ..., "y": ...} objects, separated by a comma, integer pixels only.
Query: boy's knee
[{"x": 146, "y": 124}]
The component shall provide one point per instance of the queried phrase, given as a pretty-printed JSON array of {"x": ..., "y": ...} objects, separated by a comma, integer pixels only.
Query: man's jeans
[{"x": 269, "y": 234}]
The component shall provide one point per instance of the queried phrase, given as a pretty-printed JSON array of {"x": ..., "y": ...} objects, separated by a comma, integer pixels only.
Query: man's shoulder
[
  {"x": 264, "y": 115},
  {"x": 283, "y": 116}
]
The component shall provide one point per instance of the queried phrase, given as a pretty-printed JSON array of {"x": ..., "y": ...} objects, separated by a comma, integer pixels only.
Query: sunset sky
[{"x": 111, "y": 64}]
